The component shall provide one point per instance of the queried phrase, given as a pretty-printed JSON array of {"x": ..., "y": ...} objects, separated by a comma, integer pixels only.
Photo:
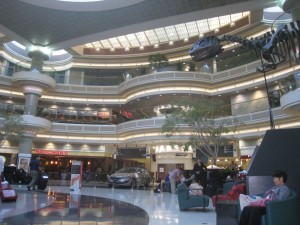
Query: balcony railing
[{"x": 112, "y": 117}]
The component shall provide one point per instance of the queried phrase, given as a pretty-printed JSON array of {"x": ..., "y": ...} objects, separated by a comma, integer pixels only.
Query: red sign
[{"x": 50, "y": 152}]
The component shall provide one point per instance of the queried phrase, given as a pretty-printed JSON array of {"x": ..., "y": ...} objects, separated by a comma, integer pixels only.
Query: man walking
[{"x": 35, "y": 167}]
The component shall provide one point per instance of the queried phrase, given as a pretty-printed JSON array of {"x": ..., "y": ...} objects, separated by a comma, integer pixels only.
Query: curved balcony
[
  {"x": 33, "y": 79},
  {"x": 290, "y": 102},
  {"x": 35, "y": 124},
  {"x": 157, "y": 122}
]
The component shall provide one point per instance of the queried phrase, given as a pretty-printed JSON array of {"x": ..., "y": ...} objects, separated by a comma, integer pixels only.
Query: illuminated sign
[{"x": 51, "y": 152}]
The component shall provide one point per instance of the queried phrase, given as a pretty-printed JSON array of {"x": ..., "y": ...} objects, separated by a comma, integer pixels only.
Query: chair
[
  {"x": 186, "y": 201},
  {"x": 278, "y": 212},
  {"x": 232, "y": 194}
]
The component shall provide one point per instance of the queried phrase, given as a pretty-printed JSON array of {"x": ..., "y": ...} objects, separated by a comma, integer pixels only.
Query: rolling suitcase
[
  {"x": 42, "y": 181},
  {"x": 8, "y": 194}
]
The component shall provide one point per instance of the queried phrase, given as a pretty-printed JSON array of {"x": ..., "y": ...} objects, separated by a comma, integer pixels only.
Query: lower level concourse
[{"x": 96, "y": 205}]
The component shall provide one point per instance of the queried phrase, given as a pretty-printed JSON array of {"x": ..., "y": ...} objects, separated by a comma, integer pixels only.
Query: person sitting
[
  {"x": 158, "y": 187},
  {"x": 195, "y": 187},
  {"x": 252, "y": 213}
]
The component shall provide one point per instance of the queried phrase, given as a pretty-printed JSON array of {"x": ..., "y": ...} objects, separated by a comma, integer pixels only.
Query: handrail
[{"x": 96, "y": 116}]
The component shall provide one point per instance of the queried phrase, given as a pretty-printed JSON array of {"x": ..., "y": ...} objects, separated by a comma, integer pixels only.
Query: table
[{"x": 227, "y": 212}]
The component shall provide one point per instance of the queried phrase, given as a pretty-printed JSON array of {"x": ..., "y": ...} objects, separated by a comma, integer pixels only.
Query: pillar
[
  {"x": 214, "y": 65},
  {"x": 37, "y": 60},
  {"x": 296, "y": 14},
  {"x": 4, "y": 67},
  {"x": 32, "y": 94},
  {"x": 25, "y": 144},
  {"x": 293, "y": 7}
]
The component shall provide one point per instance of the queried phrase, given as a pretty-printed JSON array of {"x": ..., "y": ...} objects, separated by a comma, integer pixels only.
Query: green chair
[{"x": 186, "y": 201}]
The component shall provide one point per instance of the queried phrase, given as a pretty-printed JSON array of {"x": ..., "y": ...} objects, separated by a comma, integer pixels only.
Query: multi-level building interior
[
  {"x": 96, "y": 79},
  {"x": 100, "y": 91}
]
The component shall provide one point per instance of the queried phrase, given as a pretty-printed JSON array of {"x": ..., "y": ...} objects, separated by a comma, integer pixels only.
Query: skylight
[{"x": 167, "y": 34}]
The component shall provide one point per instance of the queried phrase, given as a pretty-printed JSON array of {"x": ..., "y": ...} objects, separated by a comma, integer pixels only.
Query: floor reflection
[{"x": 74, "y": 209}]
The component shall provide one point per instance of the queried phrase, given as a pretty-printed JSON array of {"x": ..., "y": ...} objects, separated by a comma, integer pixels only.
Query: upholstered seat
[
  {"x": 282, "y": 212},
  {"x": 232, "y": 194},
  {"x": 186, "y": 201}
]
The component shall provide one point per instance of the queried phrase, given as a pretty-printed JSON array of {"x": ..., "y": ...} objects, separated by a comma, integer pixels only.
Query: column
[
  {"x": 32, "y": 94},
  {"x": 67, "y": 77},
  {"x": 25, "y": 144},
  {"x": 293, "y": 7},
  {"x": 214, "y": 65},
  {"x": 4, "y": 67},
  {"x": 296, "y": 14}
]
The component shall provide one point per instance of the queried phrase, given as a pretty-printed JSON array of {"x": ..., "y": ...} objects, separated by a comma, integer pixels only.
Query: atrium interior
[{"x": 95, "y": 82}]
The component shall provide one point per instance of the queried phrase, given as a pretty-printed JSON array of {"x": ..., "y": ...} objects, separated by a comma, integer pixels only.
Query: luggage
[
  {"x": 42, "y": 181},
  {"x": 22, "y": 176},
  {"x": 9, "y": 195}
]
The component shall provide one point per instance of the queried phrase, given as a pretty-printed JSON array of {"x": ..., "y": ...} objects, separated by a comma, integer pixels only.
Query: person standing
[
  {"x": 200, "y": 172},
  {"x": 174, "y": 176},
  {"x": 35, "y": 167}
]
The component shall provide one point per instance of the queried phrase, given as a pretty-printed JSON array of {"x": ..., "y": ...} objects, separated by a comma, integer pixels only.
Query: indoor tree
[{"x": 198, "y": 118}]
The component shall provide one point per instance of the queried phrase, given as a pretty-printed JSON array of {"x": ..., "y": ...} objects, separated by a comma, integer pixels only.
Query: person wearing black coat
[{"x": 200, "y": 172}]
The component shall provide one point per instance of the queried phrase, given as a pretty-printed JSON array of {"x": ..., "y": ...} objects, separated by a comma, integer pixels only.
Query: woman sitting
[{"x": 196, "y": 188}]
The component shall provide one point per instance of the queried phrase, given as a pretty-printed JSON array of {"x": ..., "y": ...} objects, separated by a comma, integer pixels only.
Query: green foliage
[
  {"x": 192, "y": 66},
  {"x": 158, "y": 60},
  {"x": 198, "y": 117},
  {"x": 10, "y": 127}
]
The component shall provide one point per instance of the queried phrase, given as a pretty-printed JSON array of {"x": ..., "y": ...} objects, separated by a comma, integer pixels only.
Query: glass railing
[
  {"x": 103, "y": 78},
  {"x": 9, "y": 70},
  {"x": 289, "y": 84},
  {"x": 111, "y": 117}
]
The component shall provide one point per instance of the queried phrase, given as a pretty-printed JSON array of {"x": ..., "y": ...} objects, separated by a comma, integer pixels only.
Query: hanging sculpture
[
  {"x": 275, "y": 46},
  {"x": 206, "y": 48}
]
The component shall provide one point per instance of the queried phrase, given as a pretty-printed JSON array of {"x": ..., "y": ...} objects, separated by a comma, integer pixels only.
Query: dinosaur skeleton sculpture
[{"x": 275, "y": 46}]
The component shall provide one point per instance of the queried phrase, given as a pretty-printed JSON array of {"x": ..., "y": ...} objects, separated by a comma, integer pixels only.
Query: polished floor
[{"x": 99, "y": 206}]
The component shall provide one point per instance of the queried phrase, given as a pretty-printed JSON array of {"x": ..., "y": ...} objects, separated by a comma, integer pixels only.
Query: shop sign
[{"x": 50, "y": 152}]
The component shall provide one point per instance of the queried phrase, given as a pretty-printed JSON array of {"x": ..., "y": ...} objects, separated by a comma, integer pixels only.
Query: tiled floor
[{"x": 99, "y": 205}]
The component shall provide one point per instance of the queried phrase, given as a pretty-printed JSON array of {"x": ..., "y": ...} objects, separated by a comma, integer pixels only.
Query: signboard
[
  {"x": 50, "y": 152},
  {"x": 224, "y": 151},
  {"x": 127, "y": 153},
  {"x": 23, "y": 161},
  {"x": 76, "y": 176}
]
